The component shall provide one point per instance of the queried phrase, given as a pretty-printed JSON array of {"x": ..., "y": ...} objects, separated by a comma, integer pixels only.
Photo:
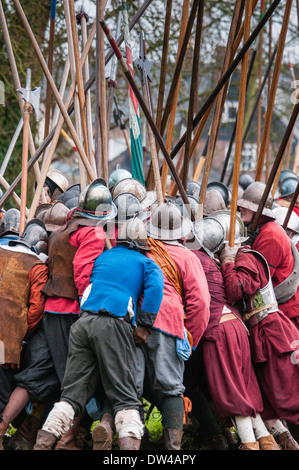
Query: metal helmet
[
  {"x": 209, "y": 234},
  {"x": 117, "y": 175},
  {"x": 224, "y": 218},
  {"x": 71, "y": 196},
  {"x": 129, "y": 185},
  {"x": 57, "y": 183},
  {"x": 34, "y": 236},
  {"x": 251, "y": 198},
  {"x": 288, "y": 186},
  {"x": 221, "y": 188},
  {"x": 167, "y": 223},
  {"x": 96, "y": 200},
  {"x": 213, "y": 202},
  {"x": 285, "y": 174},
  {"x": 185, "y": 208},
  {"x": 133, "y": 232},
  {"x": 193, "y": 189},
  {"x": 245, "y": 180},
  {"x": 54, "y": 216},
  {"x": 10, "y": 223},
  {"x": 280, "y": 214},
  {"x": 127, "y": 206}
]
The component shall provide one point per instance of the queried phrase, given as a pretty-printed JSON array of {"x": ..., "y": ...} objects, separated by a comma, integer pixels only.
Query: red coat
[
  {"x": 273, "y": 340},
  {"x": 90, "y": 245},
  {"x": 195, "y": 302},
  {"x": 274, "y": 244}
]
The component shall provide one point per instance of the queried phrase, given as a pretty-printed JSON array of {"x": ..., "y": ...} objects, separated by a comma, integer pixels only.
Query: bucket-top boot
[{"x": 102, "y": 435}]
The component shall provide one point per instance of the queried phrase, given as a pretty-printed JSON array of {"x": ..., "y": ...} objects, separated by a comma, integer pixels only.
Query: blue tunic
[{"x": 119, "y": 277}]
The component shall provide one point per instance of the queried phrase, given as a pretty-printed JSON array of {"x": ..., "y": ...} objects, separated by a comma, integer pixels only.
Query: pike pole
[{"x": 26, "y": 124}]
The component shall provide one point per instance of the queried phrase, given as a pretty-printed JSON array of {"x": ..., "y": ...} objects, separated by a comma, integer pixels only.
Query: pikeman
[
  {"x": 272, "y": 242},
  {"x": 103, "y": 342},
  {"x": 23, "y": 273},
  {"x": 72, "y": 251},
  {"x": 55, "y": 185},
  {"x": 10, "y": 226},
  {"x": 180, "y": 323},
  {"x": 226, "y": 349}
]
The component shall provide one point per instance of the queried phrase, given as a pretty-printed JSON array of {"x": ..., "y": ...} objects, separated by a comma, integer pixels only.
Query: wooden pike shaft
[
  {"x": 276, "y": 164},
  {"x": 240, "y": 121},
  {"x": 26, "y": 119},
  {"x": 194, "y": 75},
  {"x": 145, "y": 110},
  {"x": 274, "y": 84}
]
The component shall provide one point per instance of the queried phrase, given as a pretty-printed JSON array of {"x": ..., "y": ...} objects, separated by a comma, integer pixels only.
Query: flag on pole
[{"x": 134, "y": 118}]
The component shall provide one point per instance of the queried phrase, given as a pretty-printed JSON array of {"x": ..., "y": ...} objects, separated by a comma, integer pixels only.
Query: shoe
[
  {"x": 128, "y": 443},
  {"x": 45, "y": 440},
  {"x": 102, "y": 435},
  {"x": 250, "y": 446},
  {"x": 286, "y": 441},
  {"x": 172, "y": 439},
  {"x": 268, "y": 443},
  {"x": 73, "y": 439}
]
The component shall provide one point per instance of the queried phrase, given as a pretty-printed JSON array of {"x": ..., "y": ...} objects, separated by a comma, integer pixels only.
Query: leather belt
[{"x": 228, "y": 316}]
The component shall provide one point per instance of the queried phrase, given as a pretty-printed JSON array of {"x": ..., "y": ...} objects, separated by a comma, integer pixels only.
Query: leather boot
[
  {"x": 102, "y": 435},
  {"x": 268, "y": 443},
  {"x": 286, "y": 441},
  {"x": 25, "y": 436},
  {"x": 73, "y": 439},
  {"x": 250, "y": 446},
  {"x": 45, "y": 440},
  {"x": 128, "y": 443},
  {"x": 3, "y": 429},
  {"x": 172, "y": 439}
]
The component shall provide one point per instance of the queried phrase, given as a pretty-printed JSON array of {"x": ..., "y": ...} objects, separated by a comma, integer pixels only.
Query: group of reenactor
[{"x": 109, "y": 299}]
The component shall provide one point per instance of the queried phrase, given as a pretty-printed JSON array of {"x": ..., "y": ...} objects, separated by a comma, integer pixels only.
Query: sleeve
[
  {"x": 271, "y": 251},
  {"x": 90, "y": 242},
  {"x": 241, "y": 276},
  {"x": 196, "y": 298},
  {"x": 38, "y": 277},
  {"x": 152, "y": 294}
]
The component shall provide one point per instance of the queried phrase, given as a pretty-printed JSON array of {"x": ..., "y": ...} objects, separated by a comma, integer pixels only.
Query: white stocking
[
  {"x": 59, "y": 419},
  {"x": 243, "y": 425},
  {"x": 259, "y": 427}
]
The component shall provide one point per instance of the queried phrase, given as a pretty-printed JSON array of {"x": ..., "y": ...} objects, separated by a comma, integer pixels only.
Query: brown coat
[{"x": 14, "y": 301}]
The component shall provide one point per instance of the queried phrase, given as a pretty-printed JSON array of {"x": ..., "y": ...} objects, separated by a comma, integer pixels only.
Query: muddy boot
[
  {"x": 73, "y": 439},
  {"x": 3, "y": 429},
  {"x": 128, "y": 443},
  {"x": 25, "y": 436},
  {"x": 172, "y": 439},
  {"x": 45, "y": 440},
  {"x": 268, "y": 443},
  {"x": 286, "y": 441},
  {"x": 102, "y": 435},
  {"x": 250, "y": 446}
]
